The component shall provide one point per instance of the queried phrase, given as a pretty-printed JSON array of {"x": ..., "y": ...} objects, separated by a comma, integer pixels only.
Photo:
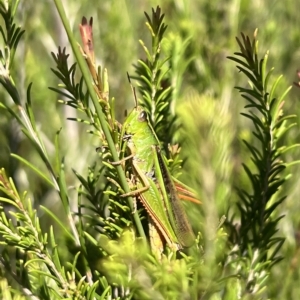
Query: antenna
[{"x": 133, "y": 90}]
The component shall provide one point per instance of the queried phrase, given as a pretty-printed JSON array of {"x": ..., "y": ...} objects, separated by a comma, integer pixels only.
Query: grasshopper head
[{"x": 136, "y": 121}]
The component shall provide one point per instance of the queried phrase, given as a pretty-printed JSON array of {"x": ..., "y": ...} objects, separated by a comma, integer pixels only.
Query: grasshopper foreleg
[
  {"x": 144, "y": 181},
  {"x": 119, "y": 162}
]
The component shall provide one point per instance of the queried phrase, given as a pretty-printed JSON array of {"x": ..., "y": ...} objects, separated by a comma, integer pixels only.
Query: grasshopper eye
[{"x": 142, "y": 116}]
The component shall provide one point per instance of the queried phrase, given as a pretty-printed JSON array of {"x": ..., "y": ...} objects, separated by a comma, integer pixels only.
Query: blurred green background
[{"x": 200, "y": 34}]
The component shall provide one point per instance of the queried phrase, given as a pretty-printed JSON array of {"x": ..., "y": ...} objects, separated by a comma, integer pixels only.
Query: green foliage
[
  {"x": 154, "y": 84},
  {"x": 256, "y": 236},
  {"x": 90, "y": 242}
]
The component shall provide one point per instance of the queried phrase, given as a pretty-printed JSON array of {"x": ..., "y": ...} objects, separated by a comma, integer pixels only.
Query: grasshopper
[{"x": 155, "y": 186}]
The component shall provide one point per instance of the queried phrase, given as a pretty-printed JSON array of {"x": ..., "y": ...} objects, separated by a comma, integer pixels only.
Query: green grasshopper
[{"x": 155, "y": 186}]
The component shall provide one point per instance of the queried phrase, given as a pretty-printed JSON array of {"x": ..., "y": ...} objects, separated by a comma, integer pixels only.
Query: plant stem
[{"x": 85, "y": 74}]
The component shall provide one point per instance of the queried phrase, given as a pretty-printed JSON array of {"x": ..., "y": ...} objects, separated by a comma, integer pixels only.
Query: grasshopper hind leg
[{"x": 157, "y": 240}]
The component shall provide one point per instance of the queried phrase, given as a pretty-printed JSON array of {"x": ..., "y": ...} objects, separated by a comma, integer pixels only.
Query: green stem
[{"x": 86, "y": 76}]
